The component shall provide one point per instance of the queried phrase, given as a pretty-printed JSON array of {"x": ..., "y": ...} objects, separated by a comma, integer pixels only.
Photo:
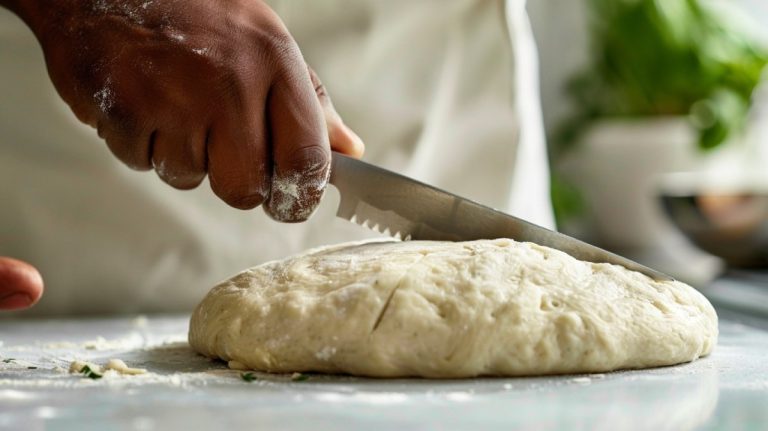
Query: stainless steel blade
[{"x": 403, "y": 207}]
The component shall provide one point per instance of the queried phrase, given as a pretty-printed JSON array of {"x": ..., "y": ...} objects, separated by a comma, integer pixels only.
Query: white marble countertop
[{"x": 728, "y": 390}]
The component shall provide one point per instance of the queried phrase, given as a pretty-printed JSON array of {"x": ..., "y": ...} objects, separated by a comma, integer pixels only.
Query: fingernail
[{"x": 15, "y": 301}]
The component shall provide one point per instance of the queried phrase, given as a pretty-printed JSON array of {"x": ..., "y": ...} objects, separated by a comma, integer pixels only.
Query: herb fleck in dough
[{"x": 443, "y": 310}]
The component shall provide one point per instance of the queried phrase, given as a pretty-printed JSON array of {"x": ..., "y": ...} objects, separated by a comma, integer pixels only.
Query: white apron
[{"x": 437, "y": 89}]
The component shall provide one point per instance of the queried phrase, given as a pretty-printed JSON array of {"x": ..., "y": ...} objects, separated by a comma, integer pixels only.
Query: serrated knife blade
[{"x": 404, "y": 208}]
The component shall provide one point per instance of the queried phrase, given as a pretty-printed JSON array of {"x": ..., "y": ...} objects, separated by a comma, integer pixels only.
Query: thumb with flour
[{"x": 301, "y": 156}]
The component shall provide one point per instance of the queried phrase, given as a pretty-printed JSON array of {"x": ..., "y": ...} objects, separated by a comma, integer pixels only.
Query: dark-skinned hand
[{"x": 191, "y": 88}]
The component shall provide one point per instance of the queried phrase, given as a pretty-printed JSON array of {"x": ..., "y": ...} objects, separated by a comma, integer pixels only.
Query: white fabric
[{"x": 434, "y": 87}]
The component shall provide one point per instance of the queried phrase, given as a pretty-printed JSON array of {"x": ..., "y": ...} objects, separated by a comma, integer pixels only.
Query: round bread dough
[{"x": 445, "y": 310}]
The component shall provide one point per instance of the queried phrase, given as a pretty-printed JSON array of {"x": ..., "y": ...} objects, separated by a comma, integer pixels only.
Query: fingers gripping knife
[{"x": 408, "y": 209}]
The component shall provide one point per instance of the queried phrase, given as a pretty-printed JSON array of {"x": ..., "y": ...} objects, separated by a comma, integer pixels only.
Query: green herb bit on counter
[
  {"x": 248, "y": 377},
  {"x": 8, "y": 360},
  {"x": 88, "y": 372},
  {"x": 31, "y": 368},
  {"x": 298, "y": 377}
]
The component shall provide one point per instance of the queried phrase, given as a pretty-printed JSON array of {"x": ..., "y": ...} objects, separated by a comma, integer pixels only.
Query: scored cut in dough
[{"x": 446, "y": 310}]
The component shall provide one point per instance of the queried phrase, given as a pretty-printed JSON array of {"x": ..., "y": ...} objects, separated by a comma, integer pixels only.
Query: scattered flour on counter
[
  {"x": 60, "y": 345},
  {"x": 151, "y": 351},
  {"x": 14, "y": 395},
  {"x": 380, "y": 398},
  {"x": 459, "y": 396},
  {"x": 582, "y": 380},
  {"x": 117, "y": 365},
  {"x": 114, "y": 379},
  {"x": 15, "y": 363},
  {"x": 133, "y": 340},
  {"x": 120, "y": 366}
]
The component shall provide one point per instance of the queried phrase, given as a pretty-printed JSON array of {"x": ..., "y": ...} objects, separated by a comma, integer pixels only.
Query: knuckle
[
  {"x": 278, "y": 47},
  {"x": 276, "y": 39},
  {"x": 320, "y": 89},
  {"x": 118, "y": 117}
]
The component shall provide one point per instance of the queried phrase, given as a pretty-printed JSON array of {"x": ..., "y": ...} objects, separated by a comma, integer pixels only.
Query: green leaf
[
  {"x": 88, "y": 372},
  {"x": 9, "y": 360},
  {"x": 31, "y": 368},
  {"x": 248, "y": 377},
  {"x": 663, "y": 57}
]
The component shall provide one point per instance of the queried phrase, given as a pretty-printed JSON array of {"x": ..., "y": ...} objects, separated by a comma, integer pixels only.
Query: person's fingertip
[
  {"x": 16, "y": 301},
  {"x": 21, "y": 284},
  {"x": 37, "y": 287}
]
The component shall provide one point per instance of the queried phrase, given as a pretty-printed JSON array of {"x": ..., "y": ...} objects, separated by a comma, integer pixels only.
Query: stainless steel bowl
[{"x": 727, "y": 220}]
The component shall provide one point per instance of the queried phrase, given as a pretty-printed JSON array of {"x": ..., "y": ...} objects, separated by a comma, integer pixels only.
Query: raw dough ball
[{"x": 440, "y": 309}]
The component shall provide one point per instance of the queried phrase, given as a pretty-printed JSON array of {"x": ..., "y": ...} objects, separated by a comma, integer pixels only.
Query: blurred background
[{"x": 657, "y": 122}]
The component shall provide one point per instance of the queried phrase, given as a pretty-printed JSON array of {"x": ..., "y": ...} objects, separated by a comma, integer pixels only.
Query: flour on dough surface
[{"x": 447, "y": 310}]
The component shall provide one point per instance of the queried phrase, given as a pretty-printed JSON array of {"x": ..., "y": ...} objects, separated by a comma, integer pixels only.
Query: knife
[{"x": 407, "y": 209}]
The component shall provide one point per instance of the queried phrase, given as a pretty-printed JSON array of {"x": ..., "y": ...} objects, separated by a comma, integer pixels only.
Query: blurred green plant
[
  {"x": 666, "y": 57},
  {"x": 663, "y": 57}
]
